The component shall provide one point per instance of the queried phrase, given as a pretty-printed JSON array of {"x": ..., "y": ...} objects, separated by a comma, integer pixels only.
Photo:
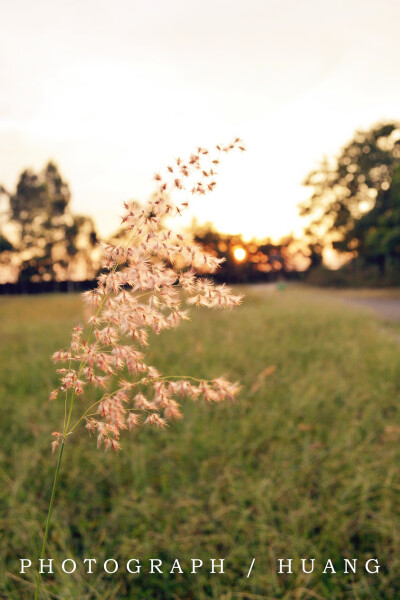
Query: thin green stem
[
  {"x": 85, "y": 414},
  {"x": 67, "y": 421},
  {"x": 46, "y": 532}
]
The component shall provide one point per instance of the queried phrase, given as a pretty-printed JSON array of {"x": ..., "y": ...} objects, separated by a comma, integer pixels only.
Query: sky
[{"x": 113, "y": 91}]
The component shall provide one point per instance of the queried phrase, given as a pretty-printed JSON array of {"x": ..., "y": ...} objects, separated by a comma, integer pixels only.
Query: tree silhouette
[
  {"x": 52, "y": 242},
  {"x": 262, "y": 261}
]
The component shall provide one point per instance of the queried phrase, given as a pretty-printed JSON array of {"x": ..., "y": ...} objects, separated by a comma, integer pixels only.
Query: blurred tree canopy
[
  {"x": 379, "y": 229},
  {"x": 50, "y": 242},
  {"x": 355, "y": 204}
]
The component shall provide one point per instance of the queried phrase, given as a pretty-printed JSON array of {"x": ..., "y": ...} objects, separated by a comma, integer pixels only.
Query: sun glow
[{"x": 239, "y": 253}]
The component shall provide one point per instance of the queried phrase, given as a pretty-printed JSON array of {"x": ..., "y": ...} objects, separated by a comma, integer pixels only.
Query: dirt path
[
  {"x": 387, "y": 308},
  {"x": 383, "y": 303}
]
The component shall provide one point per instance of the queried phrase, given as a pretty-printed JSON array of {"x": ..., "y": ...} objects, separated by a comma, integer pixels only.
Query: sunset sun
[{"x": 239, "y": 253}]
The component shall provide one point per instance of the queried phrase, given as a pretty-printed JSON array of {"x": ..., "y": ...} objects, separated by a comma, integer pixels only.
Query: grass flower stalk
[{"x": 147, "y": 275}]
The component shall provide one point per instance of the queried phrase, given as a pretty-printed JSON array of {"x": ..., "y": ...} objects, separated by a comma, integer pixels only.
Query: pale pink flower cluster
[{"x": 143, "y": 286}]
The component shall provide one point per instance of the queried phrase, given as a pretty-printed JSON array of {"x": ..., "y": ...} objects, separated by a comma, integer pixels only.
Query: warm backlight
[{"x": 239, "y": 254}]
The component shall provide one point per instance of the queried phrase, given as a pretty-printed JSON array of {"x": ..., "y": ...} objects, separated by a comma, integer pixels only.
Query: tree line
[
  {"x": 251, "y": 261},
  {"x": 353, "y": 207},
  {"x": 42, "y": 241}
]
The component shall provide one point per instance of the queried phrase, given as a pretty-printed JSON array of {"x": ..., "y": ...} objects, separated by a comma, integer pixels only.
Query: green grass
[{"x": 304, "y": 465}]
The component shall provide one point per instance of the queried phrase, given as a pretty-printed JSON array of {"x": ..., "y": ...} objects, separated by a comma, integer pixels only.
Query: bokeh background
[{"x": 95, "y": 98}]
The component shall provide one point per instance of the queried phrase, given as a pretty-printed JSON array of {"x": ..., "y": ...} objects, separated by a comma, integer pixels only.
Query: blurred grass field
[{"x": 304, "y": 465}]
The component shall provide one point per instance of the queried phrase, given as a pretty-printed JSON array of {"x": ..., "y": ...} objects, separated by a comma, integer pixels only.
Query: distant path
[
  {"x": 384, "y": 303},
  {"x": 387, "y": 308}
]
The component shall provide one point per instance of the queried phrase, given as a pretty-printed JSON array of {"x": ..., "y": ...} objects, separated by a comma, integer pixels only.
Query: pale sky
[{"x": 112, "y": 90}]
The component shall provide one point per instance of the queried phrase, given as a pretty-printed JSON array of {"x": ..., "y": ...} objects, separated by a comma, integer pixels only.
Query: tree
[
  {"x": 52, "y": 244},
  {"x": 352, "y": 193},
  {"x": 7, "y": 269},
  {"x": 379, "y": 229}
]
